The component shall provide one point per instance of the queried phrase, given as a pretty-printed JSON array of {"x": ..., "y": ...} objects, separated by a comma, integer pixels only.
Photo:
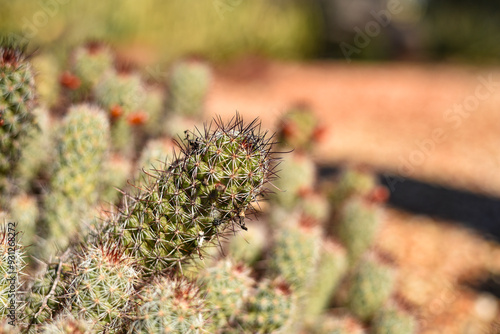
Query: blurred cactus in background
[
  {"x": 170, "y": 304},
  {"x": 82, "y": 146},
  {"x": 17, "y": 99},
  {"x": 89, "y": 64},
  {"x": 188, "y": 83},
  {"x": 227, "y": 286}
]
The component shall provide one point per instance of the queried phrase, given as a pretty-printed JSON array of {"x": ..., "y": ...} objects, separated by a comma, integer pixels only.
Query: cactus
[
  {"x": 103, "y": 285},
  {"x": 66, "y": 323},
  {"x": 154, "y": 105},
  {"x": 296, "y": 252},
  {"x": 370, "y": 286},
  {"x": 189, "y": 82},
  {"x": 358, "y": 224},
  {"x": 12, "y": 263},
  {"x": 298, "y": 128},
  {"x": 268, "y": 310},
  {"x": 315, "y": 206},
  {"x": 122, "y": 95},
  {"x": 205, "y": 192},
  {"x": 353, "y": 182},
  {"x": 227, "y": 286},
  {"x": 90, "y": 63},
  {"x": 82, "y": 145},
  {"x": 394, "y": 318},
  {"x": 331, "y": 268},
  {"x": 17, "y": 100},
  {"x": 169, "y": 304},
  {"x": 297, "y": 177}
]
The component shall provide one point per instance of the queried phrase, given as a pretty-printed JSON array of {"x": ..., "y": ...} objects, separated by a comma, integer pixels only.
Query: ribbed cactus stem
[{"x": 204, "y": 193}]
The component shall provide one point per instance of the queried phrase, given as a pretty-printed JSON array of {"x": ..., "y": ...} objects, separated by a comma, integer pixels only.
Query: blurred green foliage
[{"x": 215, "y": 29}]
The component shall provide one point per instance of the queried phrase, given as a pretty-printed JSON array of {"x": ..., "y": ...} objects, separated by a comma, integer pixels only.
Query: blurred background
[{"x": 410, "y": 88}]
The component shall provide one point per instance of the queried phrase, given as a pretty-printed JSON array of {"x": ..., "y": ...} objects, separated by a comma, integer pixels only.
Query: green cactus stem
[
  {"x": 359, "y": 222},
  {"x": 17, "y": 100},
  {"x": 103, "y": 286},
  {"x": 268, "y": 310},
  {"x": 370, "y": 286},
  {"x": 170, "y": 305},
  {"x": 204, "y": 193},
  {"x": 82, "y": 147},
  {"x": 227, "y": 286}
]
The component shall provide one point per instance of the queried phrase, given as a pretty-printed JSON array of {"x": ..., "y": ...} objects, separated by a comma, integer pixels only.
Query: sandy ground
[{"x": 437, "y": 123}]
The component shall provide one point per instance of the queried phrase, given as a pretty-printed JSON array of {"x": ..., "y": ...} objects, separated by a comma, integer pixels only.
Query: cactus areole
[{"x": 207, "y": 190}]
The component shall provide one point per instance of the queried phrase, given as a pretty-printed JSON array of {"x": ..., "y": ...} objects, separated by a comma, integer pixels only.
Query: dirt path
[{"x": 395, "y": 117}]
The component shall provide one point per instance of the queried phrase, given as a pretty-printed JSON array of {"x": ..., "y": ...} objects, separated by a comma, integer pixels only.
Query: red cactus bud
[
  {"x": 70, "y": 81},
  {"x": 137, "y": 118},
  {"x": 116, "y": 111}
]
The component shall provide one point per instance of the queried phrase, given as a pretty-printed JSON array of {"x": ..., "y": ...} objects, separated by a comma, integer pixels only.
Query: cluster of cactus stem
[{"x": 141, "y": 259}]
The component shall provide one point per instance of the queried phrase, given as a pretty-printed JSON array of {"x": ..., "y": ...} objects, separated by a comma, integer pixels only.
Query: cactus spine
[{"x": 17, "y": 100}]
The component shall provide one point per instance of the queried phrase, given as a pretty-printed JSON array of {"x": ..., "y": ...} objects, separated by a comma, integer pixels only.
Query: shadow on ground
[{"x": 478, "y": 212}]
